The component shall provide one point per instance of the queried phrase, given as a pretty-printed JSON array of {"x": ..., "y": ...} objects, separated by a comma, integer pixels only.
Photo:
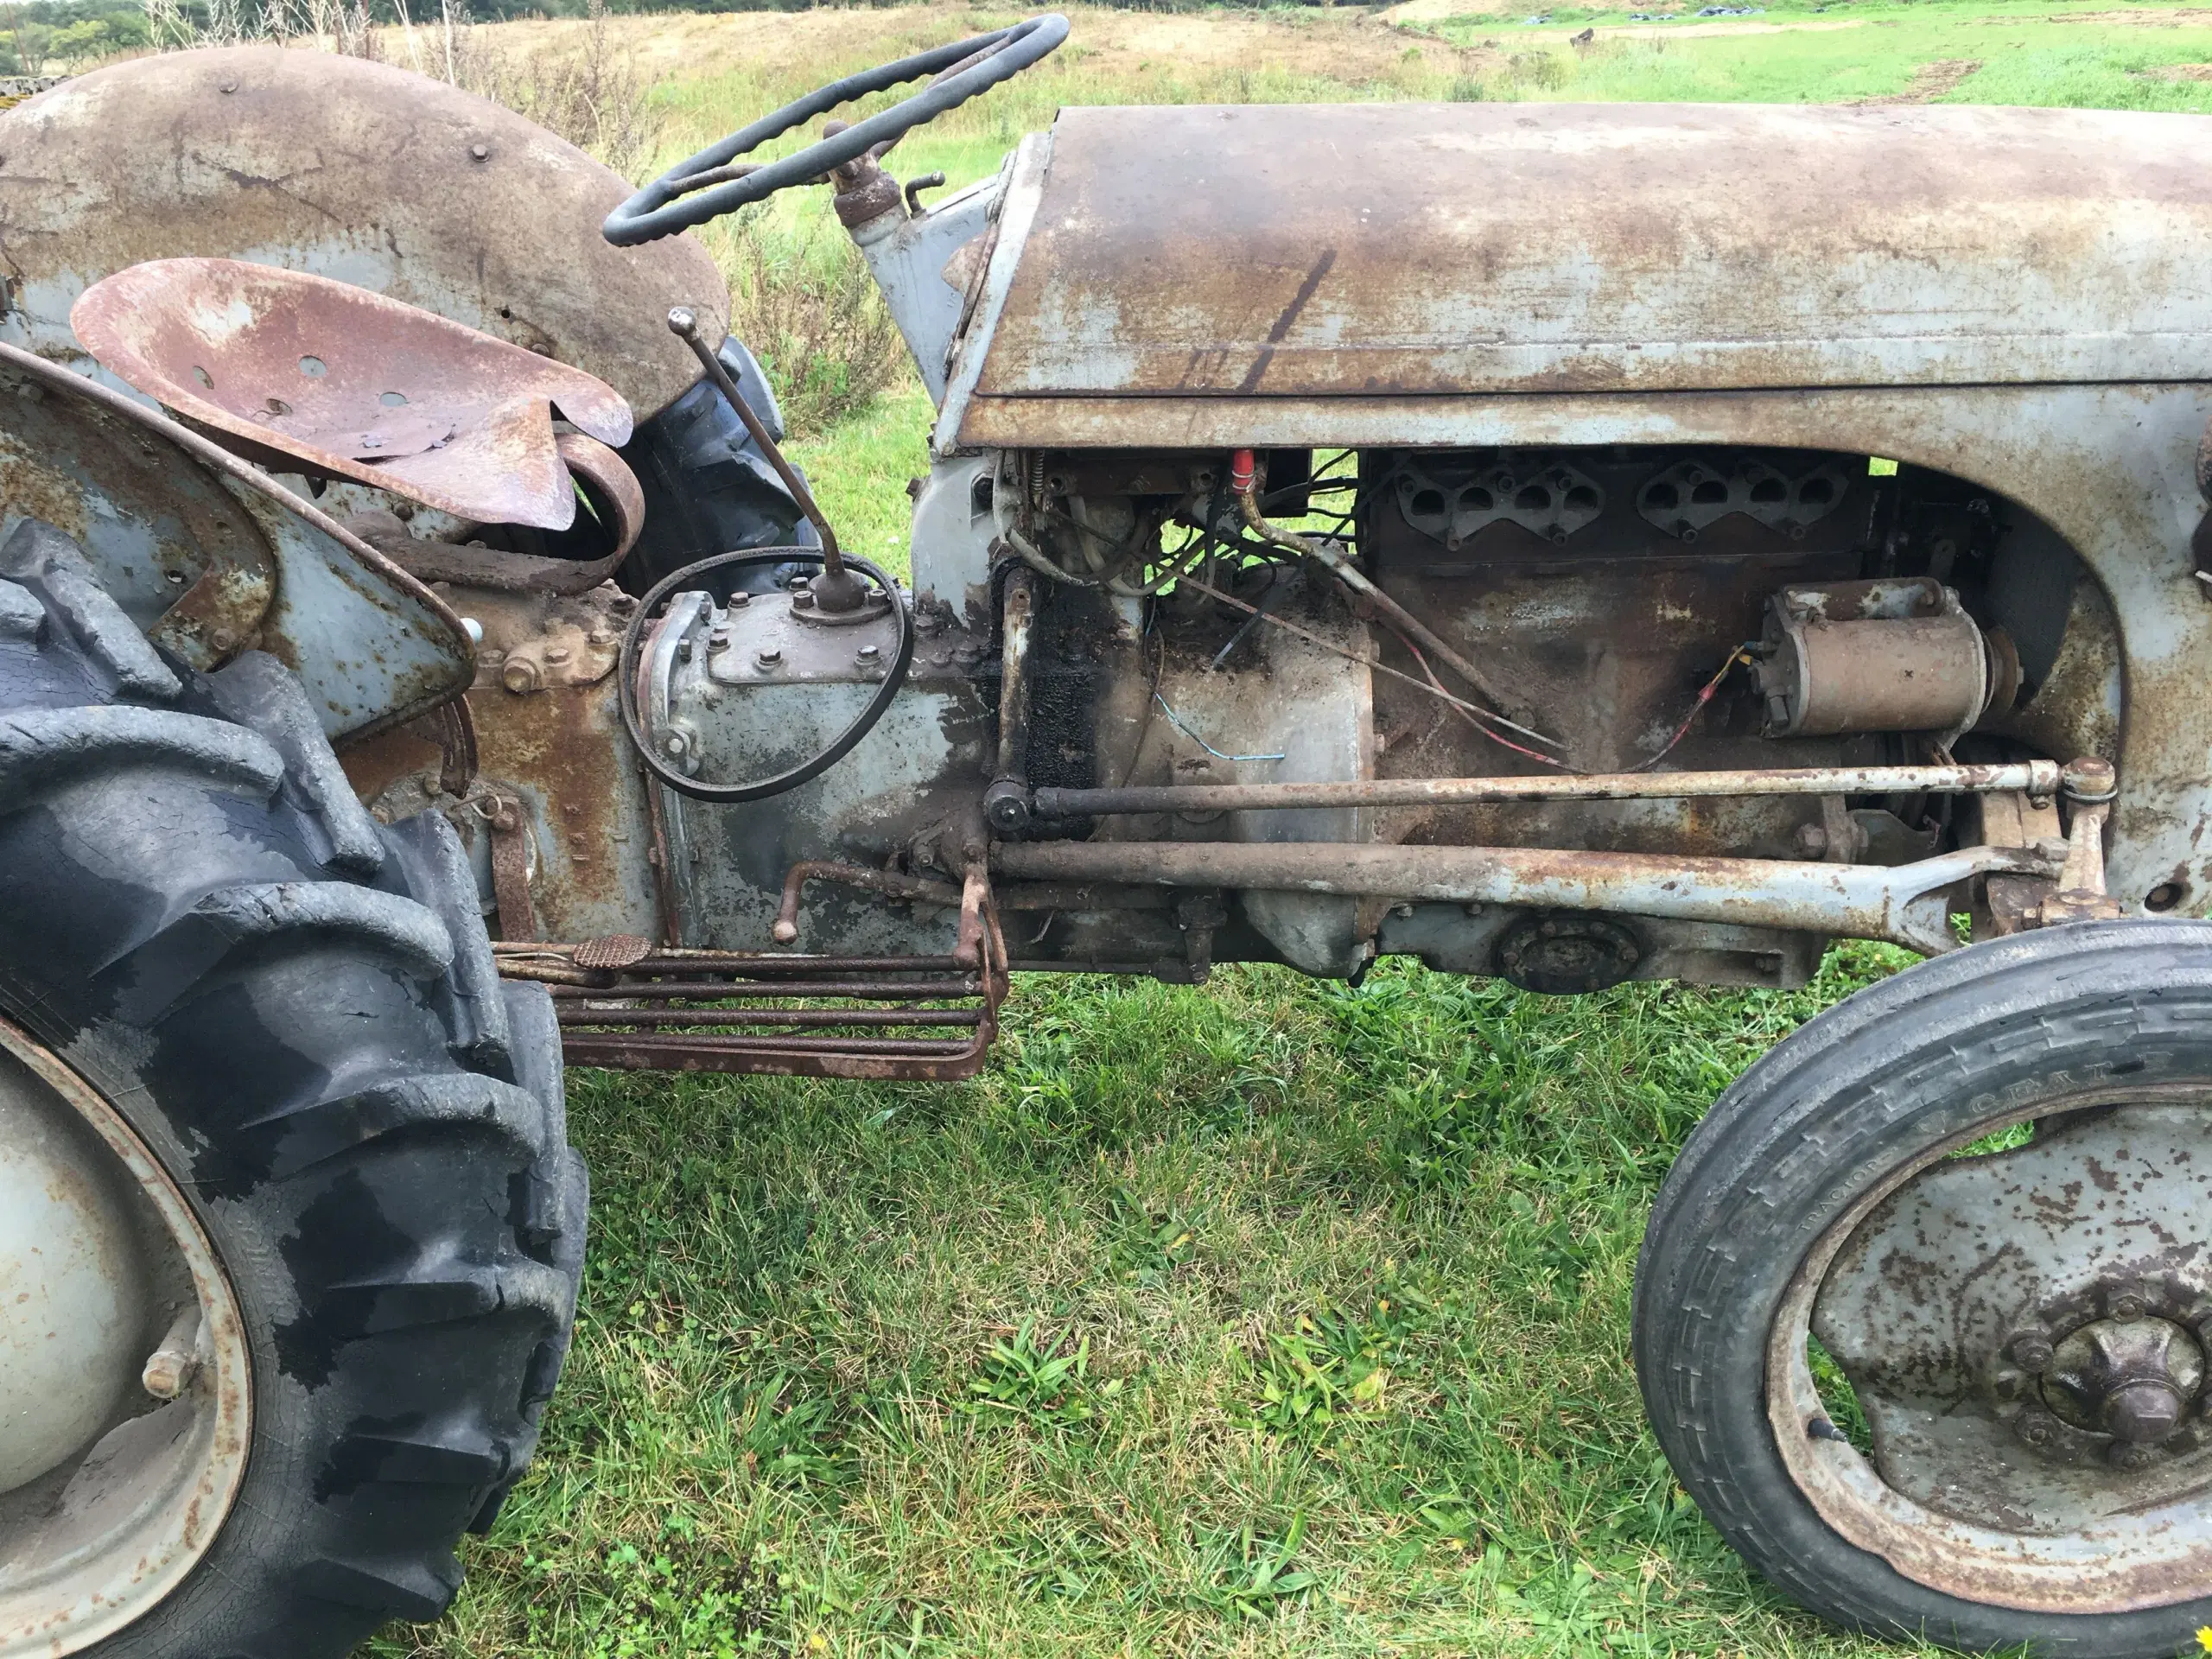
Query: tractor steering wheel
[{"x": 708, "y": 186}]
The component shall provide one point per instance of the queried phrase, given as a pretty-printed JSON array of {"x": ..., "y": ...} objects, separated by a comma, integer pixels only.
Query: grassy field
[{"x": 1268, "y": 1317}]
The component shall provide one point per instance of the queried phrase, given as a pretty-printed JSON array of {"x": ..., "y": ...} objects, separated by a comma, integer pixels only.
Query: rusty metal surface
[
  {"x": 1904, "y": 904},
  {"x": 1919, "y": 664},
  {"x": 2025, "y": 1333},
  {"x": 670, "y": 1011},
  {"x": 2109, "y": 471},
  {"x": 906, "y": 889},
  {"x": 1358, "y": 249},
  {"x": 550, "y": 740},
  {"x": 208, "y": 556},
  {"x": 307, "y": 374},
  {"x": 355, "y": 170},
  {"x": 473, "y": 564},
  {"x": 2034, "y": 777}
]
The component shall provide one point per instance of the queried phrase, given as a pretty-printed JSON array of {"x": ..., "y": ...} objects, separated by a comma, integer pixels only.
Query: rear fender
[{"x": 210, "y": 557}]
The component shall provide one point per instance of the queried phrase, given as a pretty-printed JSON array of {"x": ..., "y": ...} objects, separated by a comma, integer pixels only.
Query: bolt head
[
  {"x": 2127, "y": 1304},
  {"x": 2034, "y": 1427},
  {"x": 2032, "y": 1350},
  {"x": 2130, "y": 1455},
  {"x": 768, "y": 656},
  {"x": 869, "y": 653},
  {"x": 479, "y": 152},
  {"x": 2144, "y": 1413}
]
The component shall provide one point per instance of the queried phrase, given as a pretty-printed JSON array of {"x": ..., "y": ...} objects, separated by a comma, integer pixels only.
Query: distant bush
[{"x": 802, "y": 299}]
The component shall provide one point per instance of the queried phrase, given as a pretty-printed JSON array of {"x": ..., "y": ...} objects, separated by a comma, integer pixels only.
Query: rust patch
[
  {"x": 310, "y": 374},
  {"x": 680, "y": 1010}
]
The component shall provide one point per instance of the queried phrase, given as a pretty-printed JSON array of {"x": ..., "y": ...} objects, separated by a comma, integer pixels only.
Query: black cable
[{"x": 806, "y": 771}]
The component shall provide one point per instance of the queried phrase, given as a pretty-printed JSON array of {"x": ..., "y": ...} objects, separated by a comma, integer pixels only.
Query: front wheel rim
[
  {"x": 2026, "y": 1330},
  {"x": 106, "y": 1512}
]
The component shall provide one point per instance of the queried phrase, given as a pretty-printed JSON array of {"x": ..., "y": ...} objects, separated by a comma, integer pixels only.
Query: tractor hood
[{"x": 1279, "y": 255}]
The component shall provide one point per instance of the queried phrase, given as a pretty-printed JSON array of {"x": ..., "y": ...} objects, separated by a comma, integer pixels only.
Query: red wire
[
  {"x": 1504, "y": 742},
  {"x": 1741, "y": 654}
]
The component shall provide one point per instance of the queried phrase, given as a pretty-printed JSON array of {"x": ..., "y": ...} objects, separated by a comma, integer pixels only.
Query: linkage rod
[{"x": 2037, "y": 778}]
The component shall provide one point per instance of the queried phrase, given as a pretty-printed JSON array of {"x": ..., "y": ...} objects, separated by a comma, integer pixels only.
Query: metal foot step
[{"x": 626, "y": 1004}]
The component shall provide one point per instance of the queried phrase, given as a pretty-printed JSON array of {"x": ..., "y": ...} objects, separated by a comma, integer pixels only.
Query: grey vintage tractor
[{"x": 1571, "y": 545}]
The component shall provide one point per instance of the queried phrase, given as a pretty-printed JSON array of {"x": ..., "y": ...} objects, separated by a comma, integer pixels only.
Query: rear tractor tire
[
  {"x": 1923, "y": 1319},
  {"x": 291, "y": 1235}
]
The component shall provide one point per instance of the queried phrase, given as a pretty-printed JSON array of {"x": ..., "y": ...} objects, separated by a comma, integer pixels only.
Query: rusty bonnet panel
[
  {"x": 369, "y": 174},
  {"x": 1390, "y": 249}
]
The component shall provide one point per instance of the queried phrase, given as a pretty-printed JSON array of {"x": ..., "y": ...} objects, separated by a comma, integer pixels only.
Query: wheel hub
[
  {"x": 2136, "y": 1379},
  {"x": 2027, "y": 1332},
  {"x": 69, "y": 1259}
]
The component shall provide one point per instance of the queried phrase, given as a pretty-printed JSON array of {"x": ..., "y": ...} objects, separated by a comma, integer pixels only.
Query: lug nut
[{"x": 2032, "y": 1350}]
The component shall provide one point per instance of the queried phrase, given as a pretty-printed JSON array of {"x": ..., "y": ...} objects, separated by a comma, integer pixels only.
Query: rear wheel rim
[
  {"x": 2026, "y": 1329},
  {"x": 109, "y": 1500}
]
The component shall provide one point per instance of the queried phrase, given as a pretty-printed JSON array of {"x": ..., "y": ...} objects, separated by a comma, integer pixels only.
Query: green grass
[{"x": 1268, "y": 1317}]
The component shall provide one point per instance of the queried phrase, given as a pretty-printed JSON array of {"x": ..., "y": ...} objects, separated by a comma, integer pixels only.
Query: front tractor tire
[
  {"x": 1924, "y": 1317},
  {"x": 284, "y": 1186}
]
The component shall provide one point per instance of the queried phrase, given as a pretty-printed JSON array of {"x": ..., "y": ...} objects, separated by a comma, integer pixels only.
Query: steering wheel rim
[{"x": 666, "y": 205}]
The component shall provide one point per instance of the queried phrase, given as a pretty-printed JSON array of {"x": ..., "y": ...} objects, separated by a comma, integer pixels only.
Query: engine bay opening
[{"x": 1397, "y": 615}]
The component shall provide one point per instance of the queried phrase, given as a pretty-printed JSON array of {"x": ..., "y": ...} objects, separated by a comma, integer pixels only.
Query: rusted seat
[{"x": 301, "y": 373}]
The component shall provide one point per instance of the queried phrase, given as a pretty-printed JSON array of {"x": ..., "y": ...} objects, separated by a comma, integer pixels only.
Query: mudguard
[{"x": 372, "y": 174}]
